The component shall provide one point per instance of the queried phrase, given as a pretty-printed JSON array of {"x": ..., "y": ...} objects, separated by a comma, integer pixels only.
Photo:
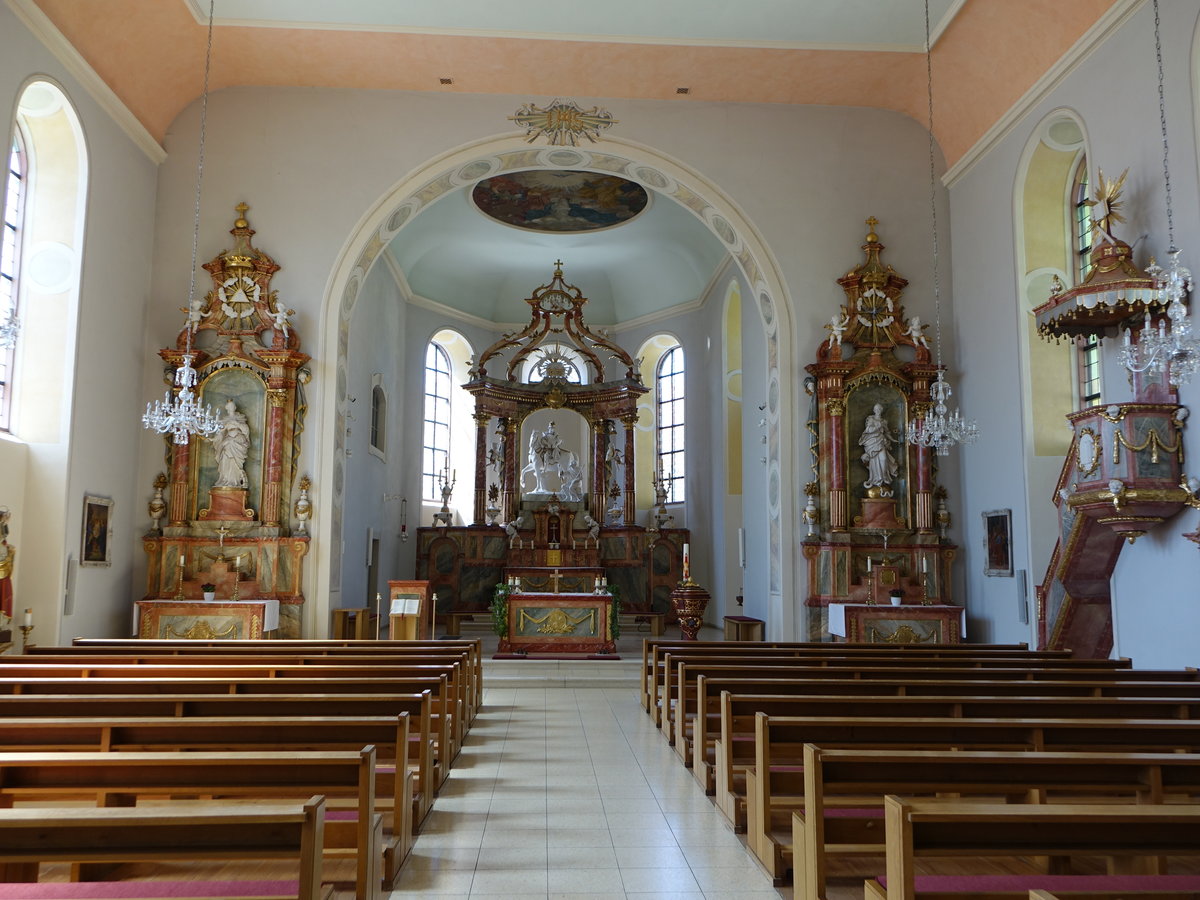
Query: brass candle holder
[{"x": 26, "y": 630}]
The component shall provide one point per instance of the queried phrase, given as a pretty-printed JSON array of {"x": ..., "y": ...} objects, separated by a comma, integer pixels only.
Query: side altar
[
  {"x": 876, "y": 517},
  {"x": 236, "y": 514},
  {"x": 555, "y": 473}
]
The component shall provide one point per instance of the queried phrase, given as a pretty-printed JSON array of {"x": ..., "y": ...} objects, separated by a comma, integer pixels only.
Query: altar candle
[
  {"x": 687, "y": 561},
  {"x": 28, "y": 617},
  {"x": 924, "y": 564},
  {"x": 868, "y": 565},
  {"x": 741, "y": 548}
]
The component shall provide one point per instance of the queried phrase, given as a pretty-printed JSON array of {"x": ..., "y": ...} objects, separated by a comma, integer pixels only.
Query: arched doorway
[{"x": 667, "y": 178}]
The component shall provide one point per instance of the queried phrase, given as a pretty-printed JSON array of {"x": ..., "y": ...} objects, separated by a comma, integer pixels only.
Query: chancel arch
[{"x": 668, "y": 180}]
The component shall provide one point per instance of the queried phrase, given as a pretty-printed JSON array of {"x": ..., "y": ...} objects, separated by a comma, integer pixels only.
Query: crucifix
[
  {"x": 222, "y": 531},
  {"x": 555, "y": 578}
]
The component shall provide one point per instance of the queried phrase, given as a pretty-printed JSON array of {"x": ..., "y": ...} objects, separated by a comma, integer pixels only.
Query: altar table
[
  {"x": 559, "y": 623},
  {"x": 206, "y": 619},
  {"x": 905, "y": 624}
]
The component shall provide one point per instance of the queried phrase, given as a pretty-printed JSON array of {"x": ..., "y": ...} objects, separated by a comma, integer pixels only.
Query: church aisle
[{"x": 567, "y": 792}]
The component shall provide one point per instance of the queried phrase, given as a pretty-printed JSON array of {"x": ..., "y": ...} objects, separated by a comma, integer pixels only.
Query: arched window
[
  {"x": 10, "y": 257},
  {"x": 669, "y": 422},
  {"x": 1087, "y": 352},
  {"x": 436, "y": 454},
  {"x": 378, "y": 416}
]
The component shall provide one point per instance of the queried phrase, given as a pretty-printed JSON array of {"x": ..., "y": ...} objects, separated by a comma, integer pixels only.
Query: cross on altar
[
  {"x": 222, "y": 531},
  {"x": 554, "y": 578}
]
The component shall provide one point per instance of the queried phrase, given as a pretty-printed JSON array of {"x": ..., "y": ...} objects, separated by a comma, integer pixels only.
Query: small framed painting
[
  {"x": 97, "y": 530},
  {"x": 997, "y": 542}
]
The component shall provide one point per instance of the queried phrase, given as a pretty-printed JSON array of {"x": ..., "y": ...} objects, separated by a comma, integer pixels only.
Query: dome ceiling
[{"x": 454, "y": 254}]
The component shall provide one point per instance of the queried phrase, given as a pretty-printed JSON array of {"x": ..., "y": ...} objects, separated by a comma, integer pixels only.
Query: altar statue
[
  {"x": 546, "y": 456},
  {"x": 231, "y": 444},
  {"x": 876, "y": 441},
  {"x": 572, "y": 479},
  {"x": 8, "y": 556}
]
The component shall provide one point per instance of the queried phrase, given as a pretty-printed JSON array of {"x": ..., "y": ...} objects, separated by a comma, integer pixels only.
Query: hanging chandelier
[
  {"x": 1167, "y": 348},
  {"x": 183, "y": 413},
  {"x": 939, "y": 428}
]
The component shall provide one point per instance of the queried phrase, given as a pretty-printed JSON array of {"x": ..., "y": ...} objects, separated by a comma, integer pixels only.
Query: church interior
[{"x": 826, "y": 323}]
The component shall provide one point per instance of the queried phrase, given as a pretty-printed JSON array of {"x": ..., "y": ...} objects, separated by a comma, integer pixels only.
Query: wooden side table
[{"x": 743, "y": 628}]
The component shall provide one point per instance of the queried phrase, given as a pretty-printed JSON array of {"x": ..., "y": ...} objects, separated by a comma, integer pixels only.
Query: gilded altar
[
  {"x": 905, "y": 624},
  {"x": 558, "y": 623},
  {"x": 876, "y": 516},
  {"x": 236, "y": 513},
  {"x": 199, "y": 620}
]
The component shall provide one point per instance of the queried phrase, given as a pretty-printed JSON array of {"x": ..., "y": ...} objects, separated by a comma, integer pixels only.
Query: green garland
[
  {"x": 500, "y": 609},
  {"x": 615, "y": 593}
]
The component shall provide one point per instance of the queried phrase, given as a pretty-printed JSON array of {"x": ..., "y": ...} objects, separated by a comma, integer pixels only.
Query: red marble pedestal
[{"x": 228, "y": 504}]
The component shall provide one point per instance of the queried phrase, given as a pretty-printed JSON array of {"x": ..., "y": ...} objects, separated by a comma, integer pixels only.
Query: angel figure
[
  {"x": 916, "y": 331},
  {"x": 593, "y": 527},
  {"x": 513, "y": 527},
  {"x": 280, "y": 320},
  {"x": 837, "y": 329},
  {"x": 195, "y": 312}
]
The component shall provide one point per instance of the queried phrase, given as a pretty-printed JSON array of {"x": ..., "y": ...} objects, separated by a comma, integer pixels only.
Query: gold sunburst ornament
[
  {"x": 562, "y": 122},
  {"x": 1106, "y": 205}
]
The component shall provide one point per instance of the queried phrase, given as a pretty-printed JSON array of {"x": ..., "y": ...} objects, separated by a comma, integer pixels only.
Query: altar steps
[{"x": 499, "y": 674}]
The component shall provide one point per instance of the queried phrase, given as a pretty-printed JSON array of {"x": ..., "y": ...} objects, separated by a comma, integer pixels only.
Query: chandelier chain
[
  {"x": 937, "y": 294},
  {"x": 200, "y": 166},
  {"x": 1162, "y": 119}
]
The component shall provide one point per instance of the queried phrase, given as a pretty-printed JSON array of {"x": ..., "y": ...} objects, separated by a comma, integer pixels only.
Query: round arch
[{"x": 667, "y": 177}]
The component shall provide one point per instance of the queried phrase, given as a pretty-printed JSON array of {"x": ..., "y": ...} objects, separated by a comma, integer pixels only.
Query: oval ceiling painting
[{"x": 559, "y": 202}]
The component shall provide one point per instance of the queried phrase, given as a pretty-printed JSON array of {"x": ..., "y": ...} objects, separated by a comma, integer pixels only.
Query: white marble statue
[
  {"x": 511, "y": 528},
  {"x": 593, "y": 527},
  {"x": 231, "y": 444},
  {"x": 572, "y": 479},
  {"x": 876, "y": 441},
  {"x": 280, "y": 320},
  {"x": 546, "y": 456},
  {"x": 916, "y": 331},
  {"x": 837, "y": 329}
]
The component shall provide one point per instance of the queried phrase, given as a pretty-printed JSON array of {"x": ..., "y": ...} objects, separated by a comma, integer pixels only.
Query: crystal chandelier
[
  {"x": 1166, "y": 349},
  {"x": 939, "y": 428},
  {"x": 182, "y": 413}
]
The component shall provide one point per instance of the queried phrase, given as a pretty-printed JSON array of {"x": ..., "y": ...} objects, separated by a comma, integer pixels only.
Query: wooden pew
[
  {"x": 923, "y": 829},
  {"x": 473, "y": 647},
  {"x": 120, "y": 779},
  {"x": 699, "y": 733},
  {"x": 663, "y": 686},
  {"x": 173, "y": 832},
  {"x": 1164, "y": 892},
  {"x": 397, "y": 798},
  {"x": 442, "y": 717},
  {"x": 786, "y": 737},
  {"x": 458, "y": 665},
  {"x": 265, "y": 706},
  {"x": 834, "y": 807},
  {"x": 653, "y": 650}
]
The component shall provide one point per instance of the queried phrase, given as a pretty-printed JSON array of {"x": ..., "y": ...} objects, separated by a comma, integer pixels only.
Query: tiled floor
[{"x": 564, "y": 792}]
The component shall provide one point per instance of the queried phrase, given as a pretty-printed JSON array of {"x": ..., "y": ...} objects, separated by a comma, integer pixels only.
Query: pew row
[
  {"x": 833, "y": 808},
  {"x": 121, "y": 779},
  {"x": 966, "y": 831},
  {"x": 697, "y": 734},
  {"x": 251, "y": 707},
  {"x": 175, "y": 832}
]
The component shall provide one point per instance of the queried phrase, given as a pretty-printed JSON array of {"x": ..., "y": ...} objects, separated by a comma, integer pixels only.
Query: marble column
[
  {"x": 599, "y": 483},
  {"x": 835, "y": 452},
  {"x": 511, "y": 499},
  {"x": 630, "y": 473},
  {"x": 481, "y": 438},
  {"x": 277, "y": 401}
]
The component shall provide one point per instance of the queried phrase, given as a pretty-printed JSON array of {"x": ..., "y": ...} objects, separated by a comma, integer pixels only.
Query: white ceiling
[
  {"x": 874, "y": 24},
  {"x": 454, "y": 254}
]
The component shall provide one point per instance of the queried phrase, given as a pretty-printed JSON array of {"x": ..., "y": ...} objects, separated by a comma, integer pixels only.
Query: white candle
[
  {"x": 924, "y": 564},
  {"x": 868, "y": 565},
  {"x": 741, "y": 548},
  {"x": 687, "y": 561},
  {"x": 28, "y": 617}
]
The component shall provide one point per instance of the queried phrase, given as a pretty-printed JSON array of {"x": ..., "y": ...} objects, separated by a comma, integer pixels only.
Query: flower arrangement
[{"x": 500, "y": 608}]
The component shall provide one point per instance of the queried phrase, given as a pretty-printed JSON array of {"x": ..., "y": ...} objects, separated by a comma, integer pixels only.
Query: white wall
[
  {"x": 105, "y": 365},
  {"x": 1114, "y": 92}
]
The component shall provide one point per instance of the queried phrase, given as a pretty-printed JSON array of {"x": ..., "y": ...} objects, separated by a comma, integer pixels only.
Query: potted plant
[{"x": 209, "y": 590}]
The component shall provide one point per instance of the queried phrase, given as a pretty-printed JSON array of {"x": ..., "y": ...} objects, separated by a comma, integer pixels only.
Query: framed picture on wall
[
  {"x": 97, "y": 531},
  {"x": 997, "y": 542}
]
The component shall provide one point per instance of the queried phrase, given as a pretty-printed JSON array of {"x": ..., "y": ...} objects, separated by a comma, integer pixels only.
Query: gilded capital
[{"x": 835, "y": 406}]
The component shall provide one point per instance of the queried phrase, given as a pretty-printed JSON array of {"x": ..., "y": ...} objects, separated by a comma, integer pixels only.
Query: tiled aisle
[{"x": 567, "y": 792}]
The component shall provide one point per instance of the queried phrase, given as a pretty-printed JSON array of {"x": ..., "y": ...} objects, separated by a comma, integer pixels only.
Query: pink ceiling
[{"x": 151, "y": 53}]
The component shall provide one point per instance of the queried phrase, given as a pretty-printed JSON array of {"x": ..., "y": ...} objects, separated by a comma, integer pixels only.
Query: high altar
[
  {"x": 876, "y": 518},
  {"x": 236, "y": 517},
  {"x": 560, "y": 402}
]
